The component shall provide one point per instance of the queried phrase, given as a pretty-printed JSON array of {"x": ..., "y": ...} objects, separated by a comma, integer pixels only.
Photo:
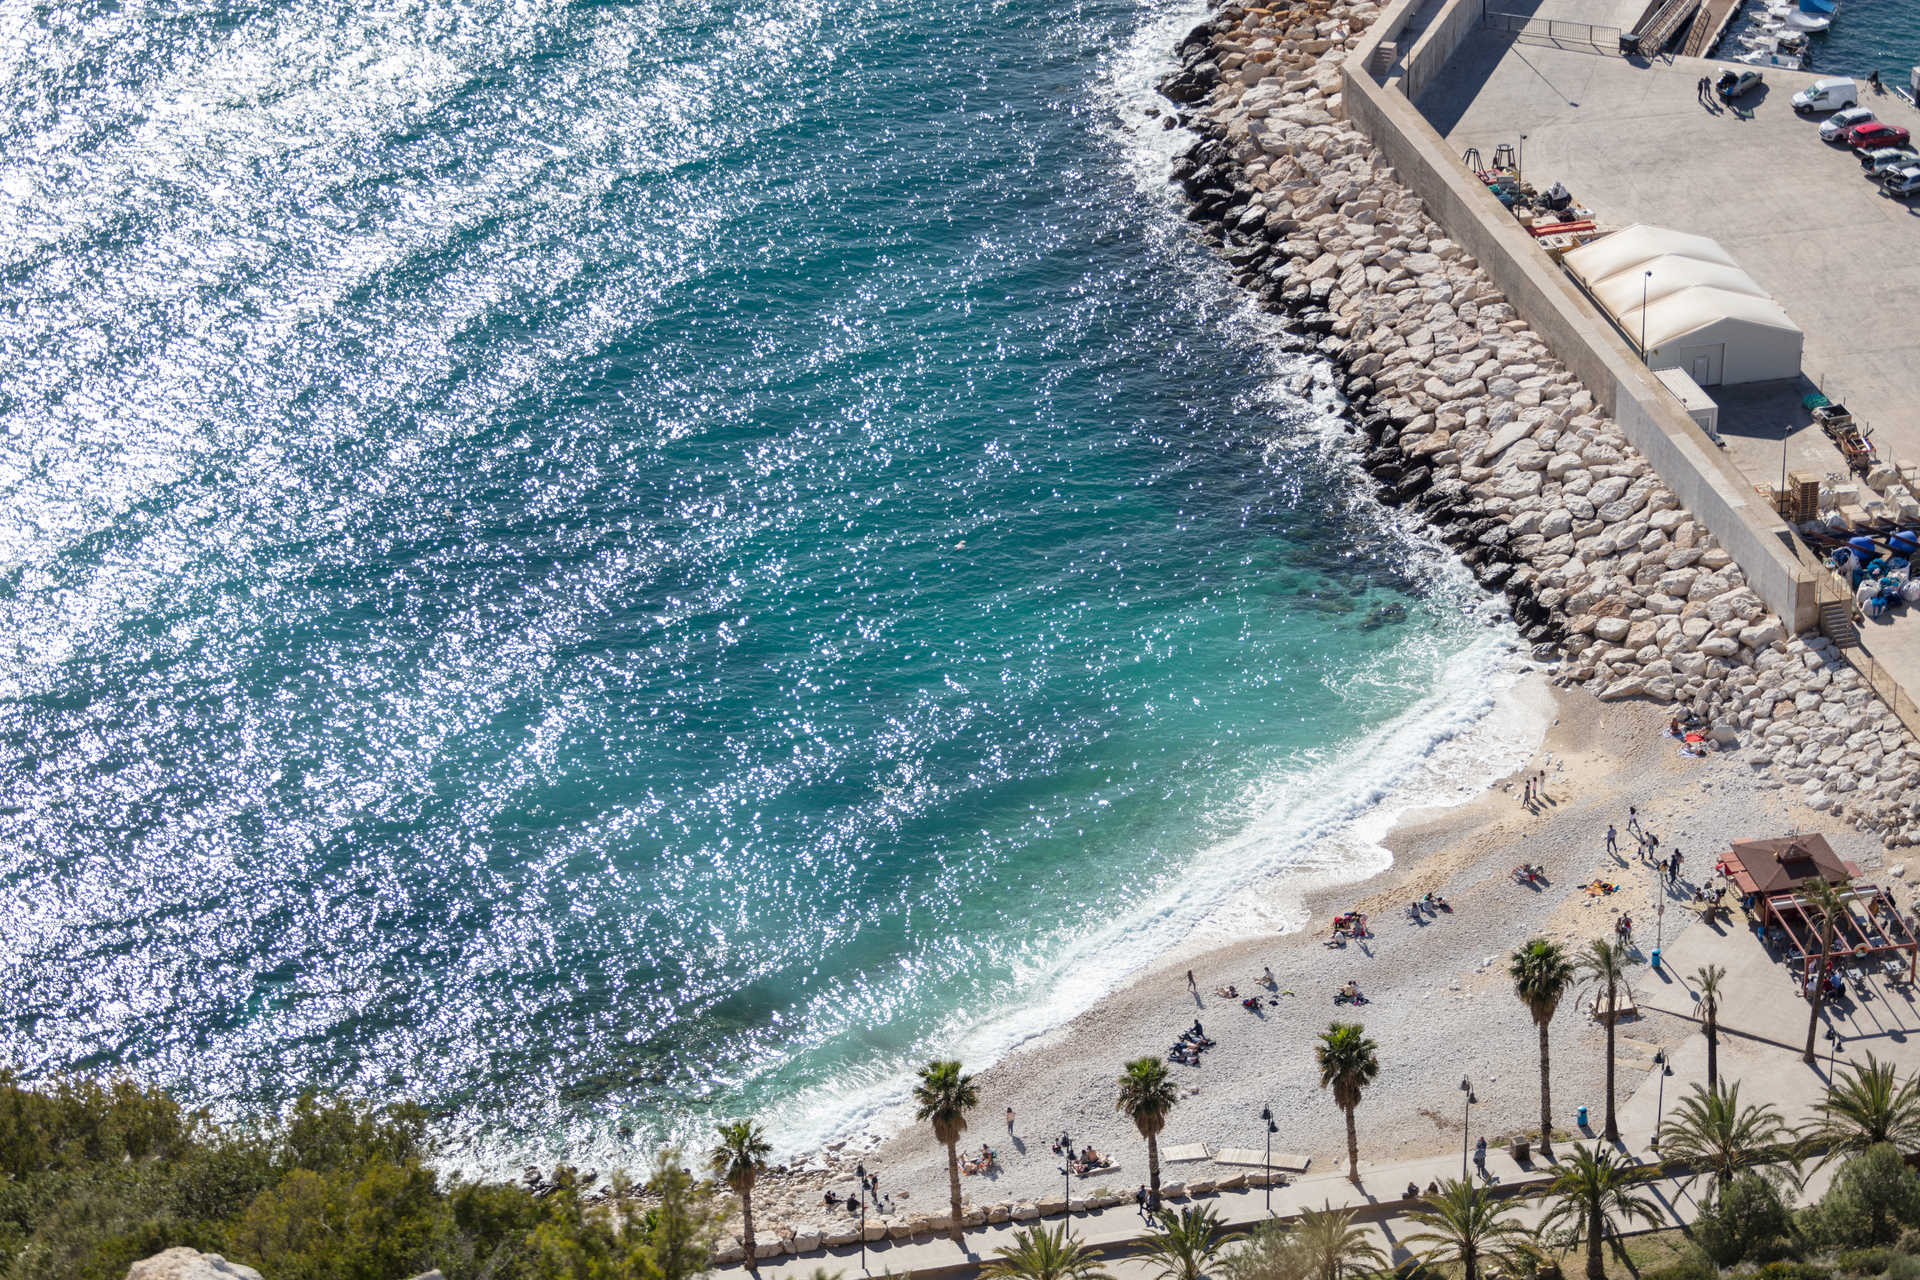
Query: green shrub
[
  {"x": 1787, "y": 1269},
  {"x": 1692, "y": 1265},
  {"x": 96, "y": 1176},
  {"x": 1864, "y": 1262},
  {"x": 1903, "y": 1266},
  {"x": 1751, "y": 1223},
  {"x": 1874, "y": 1196}
]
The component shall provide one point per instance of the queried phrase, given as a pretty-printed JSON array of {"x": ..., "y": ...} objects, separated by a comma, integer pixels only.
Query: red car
[{"x": 1876, "y": 133}]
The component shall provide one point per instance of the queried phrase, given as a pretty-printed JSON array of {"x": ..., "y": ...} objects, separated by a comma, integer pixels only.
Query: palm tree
[
  {"x": 738, "y": 1159},
  {"x": 1348, "y": 1063},
  {"x": 1039, "y": 1254},
  {"x": 1542, "y": 973},
  {"x": 1465, "y": 1224},
  {"x": 1147, "y": 1094},
  {"x": 1714, "y": 1135},
  {"x": 1709, "y": 978},
  {"x": 944, "y": 1095},
  {"x": 1872, "y": 1105},
  {"x": 1593, "y": 1194},
  {"x": 1604, "y": 966},
  {"x": 1186, "y": 1243},
  {"x": 1823, "y": 900},
  {"x": 1336, "y": 1249}
]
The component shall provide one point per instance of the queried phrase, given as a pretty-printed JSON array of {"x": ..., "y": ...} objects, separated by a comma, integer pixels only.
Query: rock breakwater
[{"x": 1469, "y": 420}]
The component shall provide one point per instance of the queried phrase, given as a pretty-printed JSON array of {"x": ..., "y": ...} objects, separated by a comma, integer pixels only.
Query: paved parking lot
[{"x": 1633, "y": 144}]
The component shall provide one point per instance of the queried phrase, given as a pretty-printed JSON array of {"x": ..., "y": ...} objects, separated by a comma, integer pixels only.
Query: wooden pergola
[{"x": 1774, "y": 875}]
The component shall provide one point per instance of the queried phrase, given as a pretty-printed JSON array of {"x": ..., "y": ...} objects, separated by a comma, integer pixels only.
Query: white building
[{"x": 1698, "y": 310}]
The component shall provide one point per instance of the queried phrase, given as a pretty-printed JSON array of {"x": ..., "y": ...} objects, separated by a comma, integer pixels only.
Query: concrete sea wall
[
  {"x": 1498, "y": 407},
  {"x": 1652, "y": 420}
]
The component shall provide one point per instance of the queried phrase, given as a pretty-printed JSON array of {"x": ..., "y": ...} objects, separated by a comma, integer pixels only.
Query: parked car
[
  {"x": 1901, "y": 182},
  {"x": 1882, "y": 159},
  {"x": 1830, "y": 94},
  {"x": 1835, "y": 126},
  {"x": 1874, "y": 134},
  {"x": 1735, "y": 84}
]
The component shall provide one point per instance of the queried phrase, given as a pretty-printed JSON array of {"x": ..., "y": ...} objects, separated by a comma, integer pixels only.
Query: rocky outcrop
[
  {"x": 189, "y": 1264},
  {"x": 1467, "y": 419}
]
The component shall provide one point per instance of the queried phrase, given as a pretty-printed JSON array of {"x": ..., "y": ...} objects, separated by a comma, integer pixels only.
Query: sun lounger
[{"x": 1184, "y": 1152}]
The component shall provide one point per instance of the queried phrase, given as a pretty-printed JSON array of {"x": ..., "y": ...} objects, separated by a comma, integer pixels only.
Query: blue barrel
[
  {"x": 1654, "y": 959},
  {"x": 1904, "y": 542},
  {"x": 1580, "y": 1116},
  {"x": 1865, "y": 546}
]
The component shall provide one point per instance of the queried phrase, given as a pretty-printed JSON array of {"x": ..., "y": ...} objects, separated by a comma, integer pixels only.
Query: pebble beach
[{"x": 1635, "y": 613}]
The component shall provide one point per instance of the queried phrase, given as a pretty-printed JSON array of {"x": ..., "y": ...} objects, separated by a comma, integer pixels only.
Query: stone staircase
[{"x": 1836, "y": 624}]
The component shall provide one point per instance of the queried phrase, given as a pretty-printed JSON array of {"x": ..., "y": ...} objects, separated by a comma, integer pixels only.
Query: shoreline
[
  {"x": 1439, "y": 1006},
  {"x": 1464, "y": 417}
]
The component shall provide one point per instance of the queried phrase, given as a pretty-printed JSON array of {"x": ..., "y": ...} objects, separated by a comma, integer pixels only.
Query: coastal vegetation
[
  {"x": 1594, "y": 1194},
  {"x": 1542, "y": 974},
  {"x": 96, "y": 1175},
  {"x": 738, "y": 1159},
  {"x": 1604, "y": 966},
  {"x": 1717, "y": 1138},
  {"x": 1349, "y": 1061},
  {"x": 1825, "y": 902},
  {"x": 1147, "y": 1095},
  {"x": 1708, "y": 979},
  {"x": 1185, "y": 1243},
  {"x": 943, "y": 1097},
  {"x": 1465, "y": 1224},
  {"x": 1044, "y": 1253},
  {"x": 1869, "y": 1106}
]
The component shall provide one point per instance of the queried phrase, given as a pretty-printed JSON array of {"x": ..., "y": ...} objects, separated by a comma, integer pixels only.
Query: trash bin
[
  {"x": 1580, "y": 1116},
  {"x": 1629, "y": 44},
  {"x": 1654, "y": 959},
  {"x": 1521, "y": 1150}
]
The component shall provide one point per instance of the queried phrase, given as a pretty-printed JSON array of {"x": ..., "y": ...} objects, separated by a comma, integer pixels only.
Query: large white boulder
[{"x": 189, "y": 1264}]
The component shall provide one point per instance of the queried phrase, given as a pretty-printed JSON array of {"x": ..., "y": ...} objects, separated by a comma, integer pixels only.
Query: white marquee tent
[{"x": 1701, "y": 312}]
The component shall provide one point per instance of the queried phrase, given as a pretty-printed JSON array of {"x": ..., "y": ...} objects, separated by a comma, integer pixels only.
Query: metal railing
[
  {"x": 1525, "y": 26},
  {"x": 1829, "y": 588}
]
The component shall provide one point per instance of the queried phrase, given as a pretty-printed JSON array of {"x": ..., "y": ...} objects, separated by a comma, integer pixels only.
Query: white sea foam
[{"x": 1301, "y": 829}]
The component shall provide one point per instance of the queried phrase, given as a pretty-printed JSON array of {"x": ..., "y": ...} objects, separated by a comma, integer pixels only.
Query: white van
[{"x": 1830, "y": 94}]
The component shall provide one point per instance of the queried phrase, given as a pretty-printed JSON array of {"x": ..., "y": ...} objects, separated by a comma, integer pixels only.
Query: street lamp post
[
  {"x": 1523, "y": 158},
  {"x": 1466, "y": 1124},
  {"x": 1266, "y": 1114},
  {"x": 1066, "y": 1150},
  {"x": 1660, "y": 1094},
  {"x": 1643, "y": 319}
]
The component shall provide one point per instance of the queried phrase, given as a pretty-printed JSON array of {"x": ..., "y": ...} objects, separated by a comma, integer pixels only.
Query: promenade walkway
[
  {"x": 1763, "y": 1025},
  {"x": 1379, "y": 1199}
]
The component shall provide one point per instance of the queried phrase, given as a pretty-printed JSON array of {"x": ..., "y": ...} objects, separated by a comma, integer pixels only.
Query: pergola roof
[{"x": 1775, "y": 866}]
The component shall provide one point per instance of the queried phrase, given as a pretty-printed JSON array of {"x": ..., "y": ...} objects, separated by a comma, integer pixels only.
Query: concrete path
[{"x": 1764, "y": 1027}]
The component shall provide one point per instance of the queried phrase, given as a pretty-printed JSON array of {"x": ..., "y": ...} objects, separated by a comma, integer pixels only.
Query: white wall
[{"x": 1686, "y": 356}]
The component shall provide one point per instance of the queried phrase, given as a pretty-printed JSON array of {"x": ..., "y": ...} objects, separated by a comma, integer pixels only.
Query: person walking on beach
[
  {"x": 1191, "y": 984},
  {"x": 1613, "y": 839},
  {"x": 1009, "y": 1119},
  {"x": 1673, "y": 868},
  {"x": 1633, "y": 820},
  {"x": 1480, "y": 1156},
  {"x": 1140, "y": 1199}
]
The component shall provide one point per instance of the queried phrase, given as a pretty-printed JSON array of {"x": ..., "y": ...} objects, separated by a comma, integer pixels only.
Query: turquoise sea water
[
  {"x": 1866, "y": 35},
  {"x": 599, "y": 564}
]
